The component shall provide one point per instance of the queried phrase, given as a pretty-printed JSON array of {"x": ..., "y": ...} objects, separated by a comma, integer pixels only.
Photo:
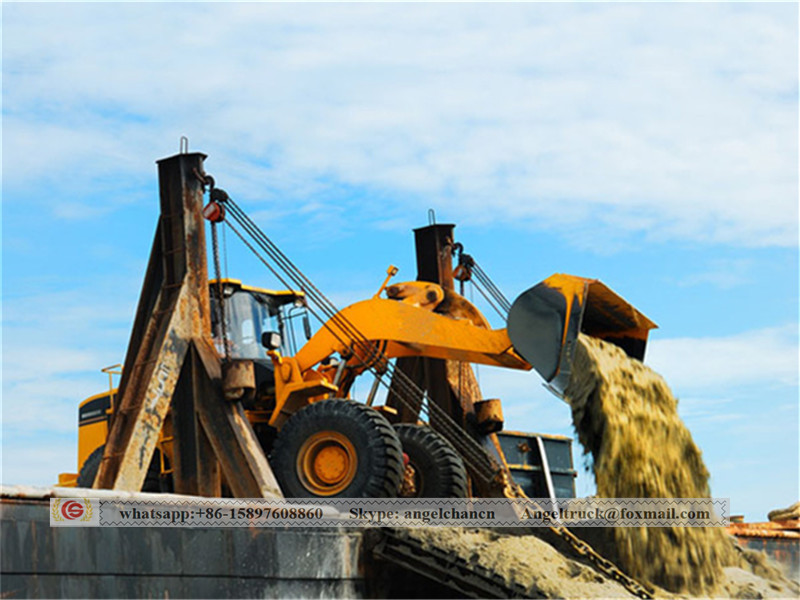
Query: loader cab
[{"x": 250, "y": 312}]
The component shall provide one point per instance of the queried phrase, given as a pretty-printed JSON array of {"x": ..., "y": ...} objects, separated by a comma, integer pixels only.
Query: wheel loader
[
  {"x": 314, "y": 458},
  {"x": 297, "y": 399}
]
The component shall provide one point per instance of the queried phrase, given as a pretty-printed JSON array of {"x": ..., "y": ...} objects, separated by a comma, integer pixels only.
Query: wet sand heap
[
  {"x": 531, "y": 563},
  {"x": 627, "y": 419}
]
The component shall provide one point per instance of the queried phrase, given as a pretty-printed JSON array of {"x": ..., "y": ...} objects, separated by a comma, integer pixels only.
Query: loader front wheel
[
  {"x": 337, "y": 448},
  {"x": 434, "y": 469}
]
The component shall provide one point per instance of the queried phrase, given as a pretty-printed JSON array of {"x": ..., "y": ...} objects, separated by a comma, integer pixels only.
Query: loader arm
[
  {"x": 412, "y": 331},
  {"x": 543, "y": 327},
  {"x": 398, "y": 329}
]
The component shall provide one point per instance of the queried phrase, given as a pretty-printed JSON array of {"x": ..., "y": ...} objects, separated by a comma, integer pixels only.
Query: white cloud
[
  {"x": 38, "y": 461},
  {"x": 762, "y": 356},
  {"x": 54, "y": 345},
  {"x": 676, "y": 121},
  {"x": 722, "y": 273},
  {"x": 29, "y": 362},
  {"x": 50, "y": 406}
]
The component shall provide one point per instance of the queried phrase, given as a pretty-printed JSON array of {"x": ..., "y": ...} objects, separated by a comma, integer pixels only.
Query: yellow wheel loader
[
  {"x": 299, "y": 406},
  {"x": 294, "y": 401}
]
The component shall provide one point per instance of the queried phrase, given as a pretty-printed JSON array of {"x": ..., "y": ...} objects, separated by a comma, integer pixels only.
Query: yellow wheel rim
[{"x": 327, "y": 463}]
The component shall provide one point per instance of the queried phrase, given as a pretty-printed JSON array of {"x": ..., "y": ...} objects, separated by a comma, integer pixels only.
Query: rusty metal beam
[
  {"x": 434, "y": 245},
  {"x": 235, "y": 444},
  {"x": 434, "y": 250},
  {"x": 209, "y": 474},
  {"x": 143, "y": 408},
  {"x": 171, "y": 311},
  {"x": 450, "y": 384},
  {"x": 173, "y": 324},
  {"x": 185, "y": 445}
]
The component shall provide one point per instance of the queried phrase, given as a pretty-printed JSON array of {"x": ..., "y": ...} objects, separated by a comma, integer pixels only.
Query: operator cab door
[{"x": 249, "y": 313}]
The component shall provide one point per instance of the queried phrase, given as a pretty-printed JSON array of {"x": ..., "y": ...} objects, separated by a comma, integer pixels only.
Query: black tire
[
  {"x": 434, "y": 470},
  {"x": 152, "y": 483},
  {"x": 373, "y": 459},
  {"x": 90, "y": 466}
]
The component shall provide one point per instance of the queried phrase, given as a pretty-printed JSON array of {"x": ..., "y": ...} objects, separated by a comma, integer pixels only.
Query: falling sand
[{"x": 627, "y": 419}]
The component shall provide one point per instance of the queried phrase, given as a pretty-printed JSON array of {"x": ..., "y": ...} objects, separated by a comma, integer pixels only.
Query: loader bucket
[{"x": 544, "y": 323}]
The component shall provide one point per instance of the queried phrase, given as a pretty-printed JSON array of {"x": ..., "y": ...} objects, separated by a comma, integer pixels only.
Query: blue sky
[{"x": 654, "y": 146}]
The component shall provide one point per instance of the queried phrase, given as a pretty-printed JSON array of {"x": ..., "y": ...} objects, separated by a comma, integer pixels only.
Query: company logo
[{"x": 73, "y": 509}]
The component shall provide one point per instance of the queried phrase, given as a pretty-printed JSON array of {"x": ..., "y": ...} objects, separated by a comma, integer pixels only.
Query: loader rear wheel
[
  {"x": 337, "y": 448},
  {"x": 434, "y": 469},
  {"x": 154, "y": 482}
]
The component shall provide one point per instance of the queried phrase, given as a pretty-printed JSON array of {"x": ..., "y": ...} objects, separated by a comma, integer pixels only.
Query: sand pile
[
  {"x": 526, "y": 560},
  {"x": 785, "y": 514},
  {"x": 742, "y": 583},
  {"x": 627, "y": 419},
  {"x": 544, "y": 572}
]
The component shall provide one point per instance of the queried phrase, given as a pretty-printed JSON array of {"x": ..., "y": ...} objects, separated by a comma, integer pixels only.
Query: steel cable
[
  {"x": 407, "y": 387},
  {"x": 492, "y": 290},
  {"x": 407, "y": 391}
]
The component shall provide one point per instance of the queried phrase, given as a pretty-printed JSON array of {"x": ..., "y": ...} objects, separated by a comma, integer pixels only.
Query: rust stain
[{"x": 789, "y": 529}]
